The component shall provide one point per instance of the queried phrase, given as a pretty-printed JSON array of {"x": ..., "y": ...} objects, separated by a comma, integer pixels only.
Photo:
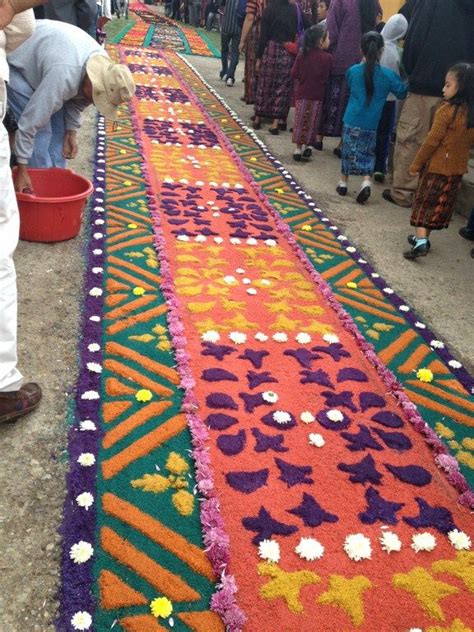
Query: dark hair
[
  {"x": 464, "y": 74},
  {"x": 313, "y": 38},
  {"x": 368, "y": 15},
  {"x": 371, "y": 45},
  {"x": 327, "y": 3}
]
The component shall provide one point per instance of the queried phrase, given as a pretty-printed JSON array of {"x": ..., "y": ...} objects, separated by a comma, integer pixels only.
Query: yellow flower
[
  {"x": 351, "y": 285},
  {"x": 280, "y": 191},
  {"x": 307, "y": 228},
  {"x": 127, "y": 183},
  {"x": 253, "y": 159},
  {"x": 122, "y": 151},
  {"x": 138, "y": 291},
  {"x": 143, "y": 395},
  {"x": 132, "y": 225},
  {"x": 161, "y": 607},
  {"x": 424, "y": 375}
]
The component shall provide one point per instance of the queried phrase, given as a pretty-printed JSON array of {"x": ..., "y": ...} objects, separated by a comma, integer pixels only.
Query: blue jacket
[{"x": 358, "y": 112}]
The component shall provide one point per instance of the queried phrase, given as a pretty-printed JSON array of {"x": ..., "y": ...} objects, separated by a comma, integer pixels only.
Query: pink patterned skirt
[{"x": 307, "y": 121}]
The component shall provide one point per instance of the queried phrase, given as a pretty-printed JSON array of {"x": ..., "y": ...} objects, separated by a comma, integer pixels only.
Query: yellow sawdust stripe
[
  {"x": 114, "y": 348},
  {"x": 121, "y": 430},
  {"x": 182, "y": 548},
  {"x": 160, "y": 578},
  {"x": 143, "y": 446}
]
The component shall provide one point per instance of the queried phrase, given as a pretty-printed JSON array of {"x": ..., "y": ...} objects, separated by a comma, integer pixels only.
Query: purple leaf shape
[
  {"x": 220, "y": 421},
  {"x": 269, "y": 421},
  {"x": 438, "y": 518},
  {"x": 335, "y": 350},
  {"x": 255, "y": 379},
  {"x": 294, "y": 474},
  {"x": 351, "y": 374},
  {"x": 379, "y": 509},
  {"x": 411, "y": 474},
  {"x": 252, "y": 400},
  {"x": 394, "y": 440},
  {"x": 247, "y": 482},
  {"x": 324, "y": 420},
  {"x": 266, "y": 526},
  {"x": 303, "y": 356},
  {"x": 255, "y": 357},
  {"x": 218, "y": 375},
  {"x": 388, "y": 419},
  {"x": 268, "y": 442},
  {"x": 217, "y": 351},
  {"x": 316, "y": 377},
  {"x": 221, "y": 400},
  {"x": 370, "y": 400},
  {"x": 231, "y": 445},
  {"x": 361, "y": 440},
  {"x": 334, "y": 400},
  {"x": 311, "y": 512},
  {"x": 362, "y": 472}
]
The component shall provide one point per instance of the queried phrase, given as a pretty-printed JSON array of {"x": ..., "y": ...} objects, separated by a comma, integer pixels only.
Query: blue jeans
[
  {"x": 49, "y": 140},
  {"x": 229, "y": 53}
]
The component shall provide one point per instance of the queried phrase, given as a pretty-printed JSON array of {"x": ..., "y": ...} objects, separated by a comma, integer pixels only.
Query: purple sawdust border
[
  {"x": 78, "y": 523},
  {"x": 462, "y": 374}
]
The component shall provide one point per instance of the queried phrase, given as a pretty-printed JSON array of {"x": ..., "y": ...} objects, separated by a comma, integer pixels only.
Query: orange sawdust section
[
  {"x": 141, "y": 623},
  {"x": 170, "y": 374},
  {"x": 114, "y": 593},
  {"x": 131, "y": 374},
  {"x": 202, "y": 621},
  {"x": 121, "y": 430}
]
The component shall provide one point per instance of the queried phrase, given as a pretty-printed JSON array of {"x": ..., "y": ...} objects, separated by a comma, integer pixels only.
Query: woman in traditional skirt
[
  {"x": 347, "y": 20},
  {"x": 310, "y": 72},
  {"x": 369, "y": 85},
  {"x": 442, "y": 160},
  {"x": 248, "y": 45},
  {"x": 274, "y": 62}
]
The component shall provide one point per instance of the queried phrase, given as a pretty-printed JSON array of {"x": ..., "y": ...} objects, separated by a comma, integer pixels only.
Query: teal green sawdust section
[
  {"x": 150, "y": 478},
  {"x": 113, "y": 34},
  {"x": 444, "y": 403}
]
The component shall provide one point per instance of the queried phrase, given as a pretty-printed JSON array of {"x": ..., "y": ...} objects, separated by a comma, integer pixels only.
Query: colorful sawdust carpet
[{"x": 309, "y": 477}]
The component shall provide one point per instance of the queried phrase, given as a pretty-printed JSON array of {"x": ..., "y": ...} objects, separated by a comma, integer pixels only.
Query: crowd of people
[{"x": 353, "y": 77}]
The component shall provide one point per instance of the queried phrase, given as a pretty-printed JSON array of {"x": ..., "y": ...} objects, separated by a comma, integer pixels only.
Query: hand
[
  {"x": 7, "y": 13},
  {"x": 22, "y": 180},
  {"x": 241, "y": 46},
  {"x": 258, "y": 65},
  {"x": 70, "y": 146}
]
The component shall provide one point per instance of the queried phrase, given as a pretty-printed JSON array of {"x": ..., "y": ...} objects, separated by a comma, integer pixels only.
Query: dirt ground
[{"x": 33, "y": 451}]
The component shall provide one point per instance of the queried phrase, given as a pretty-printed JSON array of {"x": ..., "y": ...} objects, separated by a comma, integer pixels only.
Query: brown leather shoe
[{"x": 14, "y": 404}]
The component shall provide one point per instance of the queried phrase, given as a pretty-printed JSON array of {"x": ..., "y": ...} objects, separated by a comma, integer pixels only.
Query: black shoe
[
  {"x": 337, "y": 152},
  {"x": 417, "y": 251},
  {"x": 364, "y": 194},
  {"x": 282, "y": 126},
  {"x": 256, "y": 125},
  {"x": 318, "y": 146},
  {"x": 297, "y": 157},
  {"x": 274, "y": 131},
  {"x": 222, "y": 75},
  {"x": 387, "y": 195},
  {"x": 379, "y": 176},
  {"x": 472, "y": 253},
  {"x": 341, "y": 190},
  {"x": 307, "y": 152},
  {"x": 412, "y": 241},
  {"x": 466, "y": 233}
]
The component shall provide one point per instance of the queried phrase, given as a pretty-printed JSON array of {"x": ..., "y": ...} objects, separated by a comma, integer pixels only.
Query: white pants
[{"x": 10, "y": 377}]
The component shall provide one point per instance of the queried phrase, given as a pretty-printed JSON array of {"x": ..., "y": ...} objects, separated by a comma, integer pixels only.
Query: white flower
[
  {"x": 246, "y": 281},
  {"x": 331, "y": 338},
  {"x": 95, "y": 319},
  {"x": 252, "y": 241},
  {"x": 303, "y": 338},
  {"x": 361, "y": 260},
  {"x": 350, "y": 249},
  {"x": 280, "y": 336},
  {"x": 270, "y": 242},
  {"x": 281, "y": 417},
  {"x": 415, "y": 630},
  {"x": 307, "y": 417},
  {"x": 200, "y": 238},
  {"x": 310, "y": 549},
  {"x": 265, "y": 282},
  {"x": 261, "y": 337},
  {"x": 251, "y": 291},
  {"x": 98, "y": 235},
  {"x": 235, "y": 241},
  {"x": 238, "y": 337},
  {"x": 93, "y": 347},
  {"x": 420, "y": 325},
  {"x": 269, "y": 550},
  {"x": 86, "y": 459},
  {"x": 423, "y": 542},
  {"x": 335, "y": 415},
  {"x": 270, "y": 397},
  {"x": 211, "y": 336},
  {"x": 216, "y": 214},
  {"x": 182, "y": 238},
  {"x": 90, "y": 395},
  {"x": 81, "y": 620},
  {"x": 240, "y": 271},
  {"x": 86, "y": 500},
  {"x": 342, "y": 238},
  {"x": 357, "y": 546},
  {"x": 94, "y": 367},
  {"x": 87, "y": 424},
  {"x": 460, "y": 540},
  {"x": 229, "y": 279},
  {"x": 316, "y": 439},
  {"x": 454, "y": 364},
  {"x": 97, "y": 270},
  {"x": 390, "y": 542},
  {"x": 95, "y": 291},
  {"x": 437, "y": 344},
  {"x": 404, "y": 308},
  {"x": 388, "y": 290},
  {"x": 375, "y": 275},
  {"x": 81, "y": 552}
]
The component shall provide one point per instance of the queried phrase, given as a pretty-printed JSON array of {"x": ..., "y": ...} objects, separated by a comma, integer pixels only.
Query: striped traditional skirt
[
  {"x": 335, "y": 103},
  {"x": 307, "y": 120},
  {"x": 358, "y": 151},
  {"x": 250, "y": 76},
  {"x": 274, "y": 82},
  {"x": 434, "y": 200}
]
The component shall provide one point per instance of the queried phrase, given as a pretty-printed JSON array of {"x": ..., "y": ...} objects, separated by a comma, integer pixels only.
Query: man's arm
[{"x": 9, "y": 8}]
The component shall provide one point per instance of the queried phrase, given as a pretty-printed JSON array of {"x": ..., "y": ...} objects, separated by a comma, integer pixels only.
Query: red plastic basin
[{"x": 54, "y": 212}]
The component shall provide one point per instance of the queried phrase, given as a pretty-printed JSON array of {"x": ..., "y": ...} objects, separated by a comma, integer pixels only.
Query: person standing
[
  {"x": 230, "y": 38},
  {"x": 440, "y": 33},
  {"x": 81, "y": 13}
]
